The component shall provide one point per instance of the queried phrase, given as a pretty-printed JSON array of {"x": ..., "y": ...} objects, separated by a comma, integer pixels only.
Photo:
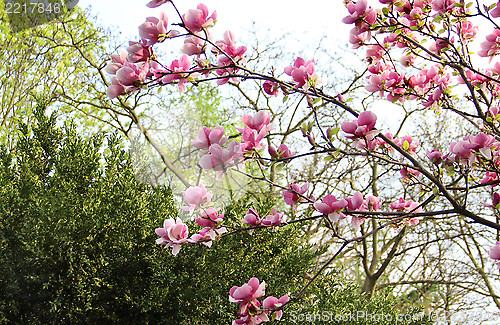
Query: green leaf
[{"x": 406, "y": 145}]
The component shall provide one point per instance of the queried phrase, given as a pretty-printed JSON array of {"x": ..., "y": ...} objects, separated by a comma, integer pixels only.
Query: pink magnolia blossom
[
  {"x": 374, "y": 53},
  {"x": 495, "y": 203},
  {"x": 467, "y": 30},
  {"x": 292, "y": 198},
  {"x": 178, "y": 70},
  {"x": 155, "y": 29},
  {"x": 369, "y": 143},
  {"x": 443, "y": 6},
  {"x": 173, "y": 234},
  {"x": 247, "y": 293},
  {"x": 253, "y": 219},
  {"x": 466, "y": 150},
  {"x": 494, "y": 253},
  {"x": 229, "y": 47},
  {"x": 139, "y": 51},
  {"x": 410, "y": 207},
  {"x": 206, "y": 235},
  {"x": 261, "y": 120},
  {"x": 462, "y": 151},
  {"x": 252, "y": 315},
  {"x": 248, "y": 319},
  {"x": 282, "y": 153},
  {"x": 197, "y": 19},
  {"x": 271, "y": 88},
  {"x": 331, "y": 207},
  {"x": 494, "y": 111},
  {"x": 386, "y": 81},
  {"x": 193, "y": 46},
  {"x": 408, "y": 173},
  {"x": 274, "y": 219},
  {"x": 360, "y": 12},
  {"x": 272, "y": 303},
  {"x": 251, "y": 139},
  {"x": 210, "y": 218},
  {"x": 435, "y": 156},
  {"x": 226, "y": 73},
  {"x": 117, "y": 61},
  {"x": 491, "y": 46},
  {"x": 474, "y": 78},
  {"x": 302, "y": 73},
  {"x": 433, "y": 99},
  {"x": 132, "y": 75},
  {"x": 196, "y": 196},
  {"x": 495, "y": 13},
  {"x": 156, "y": 3},
  {"x": 372, "y": 203},
  {"x": 219, "y": 158},
  {"x": 408, "y": 144},
  {"x": 358, "y": 37},
  {"x": 407, "y": 60},
  {"x": 490, "y": 177},
  {"x": 115, "y": 89},
  {"x": 416, "y": 14},
  {"x": 360, "y": 127},
  {"x": 383, "y": 144},
  {"x": 406, "y": 206},
  {"x": 440, "y": 45},
  {"x": 207, "y": 137},
  {"x": 356, "y": 203}
]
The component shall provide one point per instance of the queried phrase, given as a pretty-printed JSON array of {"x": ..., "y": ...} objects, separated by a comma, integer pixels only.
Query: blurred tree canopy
[{"x": 50, "y": 60}]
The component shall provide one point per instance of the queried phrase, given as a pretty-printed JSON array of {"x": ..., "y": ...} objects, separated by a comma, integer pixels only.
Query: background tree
[
  {"x": 78, "y": 246},
  {"x": 448, "y": 185}
]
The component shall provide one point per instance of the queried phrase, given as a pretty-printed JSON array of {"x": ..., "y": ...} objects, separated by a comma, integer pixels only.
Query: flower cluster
[
  {"x": 219, "y": 157},
  {"x": 253, "y": 219},
  {"x": 140, "y": 67},
  {"x": 400, "y": 27},
  {"x": 303, "y": 74},
  {"x": 175, "y": 233},
  {"x": 252, "y": 311}
]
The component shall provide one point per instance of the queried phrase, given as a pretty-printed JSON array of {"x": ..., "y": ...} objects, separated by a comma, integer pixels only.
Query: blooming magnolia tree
[{"x": 418, "y": 53}]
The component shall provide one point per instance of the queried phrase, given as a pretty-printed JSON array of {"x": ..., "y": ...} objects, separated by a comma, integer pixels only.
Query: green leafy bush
[{"x": 78, "y": 244}]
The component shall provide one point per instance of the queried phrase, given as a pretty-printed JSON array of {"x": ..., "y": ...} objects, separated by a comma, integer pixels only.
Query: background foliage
[{"x": 77, "y": 244}]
